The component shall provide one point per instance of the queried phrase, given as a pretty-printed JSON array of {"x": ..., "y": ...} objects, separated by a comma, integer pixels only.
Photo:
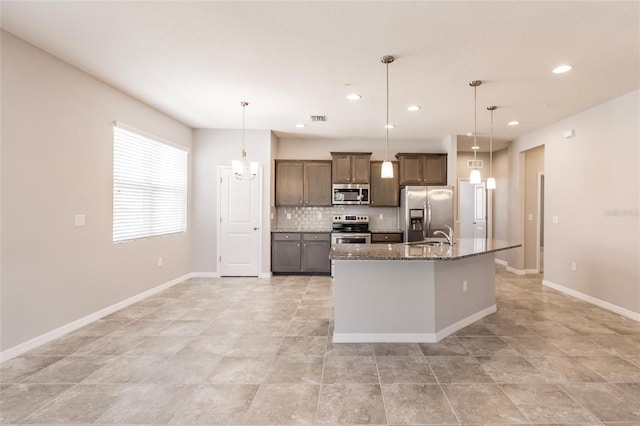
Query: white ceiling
[{"x": 197, "y": 60}]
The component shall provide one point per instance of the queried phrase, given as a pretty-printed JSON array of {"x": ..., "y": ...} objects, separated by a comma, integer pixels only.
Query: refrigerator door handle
[{"x": 428, "y": 215}]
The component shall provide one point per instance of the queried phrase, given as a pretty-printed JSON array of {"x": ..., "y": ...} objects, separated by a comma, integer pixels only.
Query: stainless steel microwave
[{"x": 350, "y": 193}]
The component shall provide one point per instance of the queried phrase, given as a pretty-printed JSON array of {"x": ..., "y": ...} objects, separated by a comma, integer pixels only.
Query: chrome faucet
[{"x": 448, "y": 236}]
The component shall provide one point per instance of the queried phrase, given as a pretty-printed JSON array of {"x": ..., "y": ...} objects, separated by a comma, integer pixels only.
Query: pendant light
[
  {"x": 475, "y": 177},
  {"x": 387, "y": 166},
  {"x": 241, "y": 168},
  {"x": 491, "y": 181}
]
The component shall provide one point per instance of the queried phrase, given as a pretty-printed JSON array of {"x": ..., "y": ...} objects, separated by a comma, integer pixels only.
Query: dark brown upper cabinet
[
  {"x": 350, "y": 167},
  {"x": 303, "y": 183},
  {"x": 384, "y": 192},
  {"x": 422, "y": 169}
]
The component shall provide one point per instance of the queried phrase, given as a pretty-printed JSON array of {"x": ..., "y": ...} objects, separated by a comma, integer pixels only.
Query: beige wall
[
  {"x": 534, "y": 165},
  {"x": 320, "y": 149},
  {"x": 501, "y": 198},
  {"x": 214, "y": 148},
  {"x": 592, "y": 185},
  {"x": 57, "y": 144}
]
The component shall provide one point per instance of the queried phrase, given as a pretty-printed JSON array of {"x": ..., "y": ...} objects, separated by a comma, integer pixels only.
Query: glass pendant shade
[
  {"x": 241, "y": 168},
  {"x": 491, "y": 183},
  {"x": 387, "y": 170},
  {"x": 238, "y": 167},
  {"x": 475, "y": 177}
]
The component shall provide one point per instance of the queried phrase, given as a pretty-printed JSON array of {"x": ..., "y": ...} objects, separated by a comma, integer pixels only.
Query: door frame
[
  {"x": 218, "y": 218},
  {"x": 539, "y": 213}
]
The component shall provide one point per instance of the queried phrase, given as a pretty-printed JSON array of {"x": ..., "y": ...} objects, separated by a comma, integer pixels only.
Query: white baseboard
[
  {"x": 72, "y": 326},
  {"x": 412, "y": 337},
  {"x": 516, "y": 271},
  {"x": 465, "y": 322},
  {"x": 501, "y": 262},
  {"x": 205, "y": 275},
  {"x": 593, "y": 300}
]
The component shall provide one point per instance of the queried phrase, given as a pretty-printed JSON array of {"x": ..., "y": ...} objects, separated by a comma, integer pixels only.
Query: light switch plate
[
  {"x": 80, "y": 220},
  {"x": 554, "y": 220}
]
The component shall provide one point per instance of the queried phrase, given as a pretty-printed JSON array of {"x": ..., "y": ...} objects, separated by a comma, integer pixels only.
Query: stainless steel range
[{"x": 351, "y": 229}]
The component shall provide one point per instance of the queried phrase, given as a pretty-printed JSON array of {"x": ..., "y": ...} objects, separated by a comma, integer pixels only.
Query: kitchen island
[{"x": 412, "y": 292}]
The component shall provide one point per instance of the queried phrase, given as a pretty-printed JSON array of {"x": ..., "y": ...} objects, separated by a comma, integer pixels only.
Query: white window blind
[{"x": 149, "y": 186}]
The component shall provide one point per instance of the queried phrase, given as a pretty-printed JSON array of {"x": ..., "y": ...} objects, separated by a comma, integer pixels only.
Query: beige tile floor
[{"x": 250, "y": 351}]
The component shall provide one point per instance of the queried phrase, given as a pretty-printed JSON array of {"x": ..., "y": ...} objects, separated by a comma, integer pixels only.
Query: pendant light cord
[
  {"x": 386, "y": 125},
  {"x": 491, "y": 146},
  {"x": 244, "y": 153},
  {"x": 475, "y": 124}
]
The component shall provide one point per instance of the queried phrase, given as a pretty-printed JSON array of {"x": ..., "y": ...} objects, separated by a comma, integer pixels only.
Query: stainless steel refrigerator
[{"x": 424, "y": 210}]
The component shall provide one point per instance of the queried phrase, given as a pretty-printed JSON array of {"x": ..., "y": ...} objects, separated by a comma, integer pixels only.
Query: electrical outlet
[
  {"x": 464, "y": 286},
  {"x": 79, "y": 220},
  {"x": 381, "y": 216},
  {"x": 574, "y": 267},
  {"x": 289, "y": 216}
]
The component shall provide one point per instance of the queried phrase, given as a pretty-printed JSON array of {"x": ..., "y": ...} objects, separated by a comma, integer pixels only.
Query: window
[{"x": 149, "y": 186}]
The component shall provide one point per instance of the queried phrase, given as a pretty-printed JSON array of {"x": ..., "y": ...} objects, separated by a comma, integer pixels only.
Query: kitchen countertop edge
[{"x": 462, "y": 248}]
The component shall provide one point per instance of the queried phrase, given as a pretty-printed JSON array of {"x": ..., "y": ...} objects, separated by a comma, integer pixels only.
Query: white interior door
[
  {"x": 472, "y": 210},
  {"x": 480, "y": 210},
  {"x": 239, "y": 231}
]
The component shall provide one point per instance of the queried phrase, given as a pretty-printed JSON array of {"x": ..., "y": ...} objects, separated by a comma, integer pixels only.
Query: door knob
[{"x": 255, "y": 228}]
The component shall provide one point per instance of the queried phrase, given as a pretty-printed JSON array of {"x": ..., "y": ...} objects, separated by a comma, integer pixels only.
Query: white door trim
[
  {"x": 538, "y": 224},
  {"x": 218, "y": 219}
]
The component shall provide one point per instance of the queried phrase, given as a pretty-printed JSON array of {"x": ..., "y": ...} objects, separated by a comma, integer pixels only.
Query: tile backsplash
[{"x": 380, "y": 218}]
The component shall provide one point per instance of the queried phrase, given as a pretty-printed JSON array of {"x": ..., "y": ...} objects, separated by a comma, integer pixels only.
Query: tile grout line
[{"x": 446, "y": 397}]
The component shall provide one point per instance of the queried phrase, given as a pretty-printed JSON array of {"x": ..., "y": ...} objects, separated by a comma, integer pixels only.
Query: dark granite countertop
[{"x": 463, "y": 247}]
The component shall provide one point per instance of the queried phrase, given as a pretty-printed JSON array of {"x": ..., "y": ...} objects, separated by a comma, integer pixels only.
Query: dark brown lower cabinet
[
  {"x": 386, "y": 237},
  {"x": 300, "y": 253}
]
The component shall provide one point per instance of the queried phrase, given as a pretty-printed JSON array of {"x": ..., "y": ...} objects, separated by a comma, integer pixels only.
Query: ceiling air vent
[
  {"x": 318, "y": 118},
  {"x": 477, "y": 163}
]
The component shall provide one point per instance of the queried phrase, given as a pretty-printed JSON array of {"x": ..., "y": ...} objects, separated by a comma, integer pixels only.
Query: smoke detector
[{"x": 318, "y": 118}]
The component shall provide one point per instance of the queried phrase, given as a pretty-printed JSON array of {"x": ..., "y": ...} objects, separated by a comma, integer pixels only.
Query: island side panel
[
  {"x": 455, "y": 308},
  {"x": 384, "y": 301}
]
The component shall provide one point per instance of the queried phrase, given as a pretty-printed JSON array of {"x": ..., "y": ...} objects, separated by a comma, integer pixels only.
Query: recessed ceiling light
[
  {"x": 389, "y": 126},
  {"x": 413, "y": 108},
  {"x": 354, "y": 97},
  {"x": 562, "y": 69},
  {"x": 513, "y": 123},
  {"x": 475, "y": 147},
  {"x": 301, "y": 125},
  {"x": 469, "y": 134}
]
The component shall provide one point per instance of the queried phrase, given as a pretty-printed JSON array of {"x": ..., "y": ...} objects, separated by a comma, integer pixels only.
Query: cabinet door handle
[
  {"x": 300, "y": 201},
  {"x": 315, "y": 237},
  {"x": 307, "y": 202},
  {"x": 304, "y": 245},
  {"x": 298, "y": 245},
  {"x": 386, "y": 237},
  {"x": 286, "y": 236}
]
